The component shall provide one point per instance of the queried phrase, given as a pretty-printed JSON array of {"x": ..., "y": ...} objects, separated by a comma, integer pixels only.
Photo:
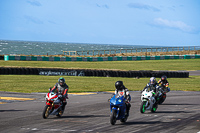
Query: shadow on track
[
  {"x": 171, "y": 112},
  {"x": 13, "y": 110},
  {"x": 177, "y": 104},
  {"x": 141, "y": 122},
  {"x": 83, "y": 116}
]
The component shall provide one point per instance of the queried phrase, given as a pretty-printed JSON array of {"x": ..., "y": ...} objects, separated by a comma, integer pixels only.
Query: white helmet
[{"x": 152, "y": 80}]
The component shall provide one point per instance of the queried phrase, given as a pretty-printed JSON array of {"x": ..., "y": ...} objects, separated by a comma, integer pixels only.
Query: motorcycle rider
[
  {"x": 122, "y": 90},
  {"x": 61, "y": 88},
  {"x": 163, "y": 81},
  {"x": 153, "y": 86}
]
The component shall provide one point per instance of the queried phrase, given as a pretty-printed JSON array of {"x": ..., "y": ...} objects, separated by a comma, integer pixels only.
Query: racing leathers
[
  {"x": 127, "y": 96},
  {"x": 165, "y": 85},
  {"x": 62, "y": 90}
]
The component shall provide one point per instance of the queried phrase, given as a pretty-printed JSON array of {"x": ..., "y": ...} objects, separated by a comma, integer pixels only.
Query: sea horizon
[{"x": 16, "y": 47}]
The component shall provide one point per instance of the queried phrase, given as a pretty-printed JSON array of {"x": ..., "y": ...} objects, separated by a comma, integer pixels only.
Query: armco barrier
[
  {"x": 89, "y": 72},
  {"x": 115, "y": 58}
]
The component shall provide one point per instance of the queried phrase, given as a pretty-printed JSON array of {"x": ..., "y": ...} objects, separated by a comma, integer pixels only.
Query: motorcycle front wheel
[
  {"x": 142, "y": 107},
  {"x": 46, "y": 111},
  {"x": 113, "y": 117}
]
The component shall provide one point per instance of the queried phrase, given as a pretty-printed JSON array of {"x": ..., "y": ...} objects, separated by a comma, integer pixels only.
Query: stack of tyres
[
  {"x": 2, "y": 70},
  {"x": 99, "y": 73},
  {"x": 88, "y": 73}
]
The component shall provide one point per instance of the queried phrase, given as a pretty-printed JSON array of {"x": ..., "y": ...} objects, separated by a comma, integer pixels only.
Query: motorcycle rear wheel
[
  {"x": 59, "y": 113},
  {"x": 113, "y": 117},
  {"x": 142, "y": 107},
  {"x": 45, "y": 113},
  {"x": 162, "y": 99},
  {"x": 155, "y": 106},
  {"x": 124, "y": 119}
]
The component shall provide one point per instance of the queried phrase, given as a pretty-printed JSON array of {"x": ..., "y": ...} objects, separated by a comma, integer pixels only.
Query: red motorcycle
[{"x": 53, "y": 105}]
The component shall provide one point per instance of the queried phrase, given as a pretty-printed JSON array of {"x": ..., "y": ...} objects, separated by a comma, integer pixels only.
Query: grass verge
[
  {"x": 35, "y": 83},
  {"x": 176, "y": 64}
]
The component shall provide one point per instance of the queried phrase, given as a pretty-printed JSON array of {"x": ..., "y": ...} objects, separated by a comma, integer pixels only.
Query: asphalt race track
[
  {"x": 180, "y": 113},
  {"x": 194, "y": 73}
]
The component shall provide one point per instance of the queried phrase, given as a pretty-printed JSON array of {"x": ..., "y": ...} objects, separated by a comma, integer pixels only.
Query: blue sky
[{"x": 132, "y": 22}]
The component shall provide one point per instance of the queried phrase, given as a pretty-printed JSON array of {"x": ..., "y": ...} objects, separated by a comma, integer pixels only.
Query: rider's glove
[{"x": 127, "y": 101}]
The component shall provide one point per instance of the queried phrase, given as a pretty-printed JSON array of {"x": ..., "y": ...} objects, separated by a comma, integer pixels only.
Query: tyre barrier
[{"x": 89, "y": 72}]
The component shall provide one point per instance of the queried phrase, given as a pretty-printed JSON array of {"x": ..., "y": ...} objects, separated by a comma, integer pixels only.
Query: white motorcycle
[{"x": 148, "y": 101}]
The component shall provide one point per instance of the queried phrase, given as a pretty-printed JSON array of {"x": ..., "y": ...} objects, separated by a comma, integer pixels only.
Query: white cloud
[
  {"x": 143, "y": 6},
  {"x": 175, "y": 25},
  {"x": 103, "y": 6},
  {"x": 34, "y": 3},
  {"x": 33, "y": 19}
]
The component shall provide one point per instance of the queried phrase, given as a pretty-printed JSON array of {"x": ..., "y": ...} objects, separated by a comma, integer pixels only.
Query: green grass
[
  {"x": 176, "y": 64},
  {"x": 34, "y": 83},
  {"x": 39, "y": 83}
]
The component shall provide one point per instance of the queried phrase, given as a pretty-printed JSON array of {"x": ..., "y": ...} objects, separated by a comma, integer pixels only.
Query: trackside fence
[{"x": 115, "y": 58}]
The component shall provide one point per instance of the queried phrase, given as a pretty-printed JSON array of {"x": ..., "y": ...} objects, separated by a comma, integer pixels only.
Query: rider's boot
[
  {"x": 127, "y": 113},
  {"x": 63, "y": 106},
  {"x": 157, "y": 99}
]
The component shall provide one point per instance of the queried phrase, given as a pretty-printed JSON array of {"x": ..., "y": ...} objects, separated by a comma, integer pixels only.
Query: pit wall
[{"x": 115, "y": 58}]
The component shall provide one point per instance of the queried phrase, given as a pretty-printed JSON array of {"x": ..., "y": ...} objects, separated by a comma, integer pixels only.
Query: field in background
[
  {"x": 34, "y": 83},
  {"x": 39, "y": 83},
  {"x": 176, "y": 64}
]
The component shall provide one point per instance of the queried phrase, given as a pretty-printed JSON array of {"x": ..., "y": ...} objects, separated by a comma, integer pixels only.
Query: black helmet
[
  {"x": 61, "y": 81},
  {"x": 164, "y": 78},
  {"x": 119, "y": 85}
]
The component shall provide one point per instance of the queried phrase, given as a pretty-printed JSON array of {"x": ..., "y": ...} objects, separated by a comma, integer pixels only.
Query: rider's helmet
[
  {"x": 61, "y": 81},
  {"x": 164, "y": 78},
  {"x": 119, "y": 85},
  {"x": 152, "y": 81}
]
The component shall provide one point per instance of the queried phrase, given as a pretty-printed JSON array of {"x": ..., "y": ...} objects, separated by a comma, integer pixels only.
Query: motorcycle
[
  {"x": 162, "y": 94},
  {"x": 148, "y": 101},
  {"x": 53, "y": 105},
  {"x": 118, "y": 109}
]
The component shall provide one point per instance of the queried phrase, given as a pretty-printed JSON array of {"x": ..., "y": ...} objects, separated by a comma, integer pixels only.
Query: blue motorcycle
[{"x": 118, "y": 109}]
